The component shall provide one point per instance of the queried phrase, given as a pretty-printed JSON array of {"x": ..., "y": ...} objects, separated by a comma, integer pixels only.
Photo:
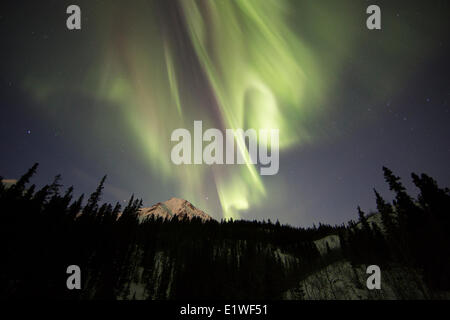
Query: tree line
[{"x": 122, "y": 256}]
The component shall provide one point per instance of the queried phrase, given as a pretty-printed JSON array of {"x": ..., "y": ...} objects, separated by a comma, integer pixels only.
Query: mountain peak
[{"x": 174, "y": 207}]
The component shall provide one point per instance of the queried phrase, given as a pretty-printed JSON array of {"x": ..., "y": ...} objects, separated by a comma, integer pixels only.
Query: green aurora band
[{"x": 230, "y": 63}]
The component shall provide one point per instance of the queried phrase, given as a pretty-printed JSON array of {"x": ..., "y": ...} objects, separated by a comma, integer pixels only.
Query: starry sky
[{"x": 346, "y": 100}]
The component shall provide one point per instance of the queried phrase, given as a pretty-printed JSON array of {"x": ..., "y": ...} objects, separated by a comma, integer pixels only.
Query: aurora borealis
[{"x": 106, "y": 99}]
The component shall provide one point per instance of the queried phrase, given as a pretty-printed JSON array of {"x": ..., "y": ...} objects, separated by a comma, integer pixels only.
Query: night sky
[{"x": 347, "y": 100}]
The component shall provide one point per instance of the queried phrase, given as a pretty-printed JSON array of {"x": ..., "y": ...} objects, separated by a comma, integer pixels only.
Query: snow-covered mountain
[{"x": 174, "y": 207}]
